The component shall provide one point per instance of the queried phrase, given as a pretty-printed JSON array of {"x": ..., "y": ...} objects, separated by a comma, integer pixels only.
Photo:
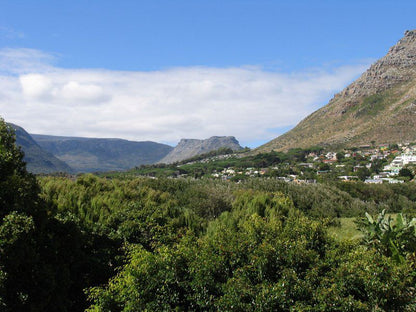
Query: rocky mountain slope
[
  {"x": 379, "y": 107},
  {"x": 92, "y": 154},
  {"x": 37, "y": 159},
  {"x": 188, "y": 148}
]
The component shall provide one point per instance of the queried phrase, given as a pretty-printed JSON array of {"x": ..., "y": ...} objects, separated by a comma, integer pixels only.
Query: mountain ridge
[
  {"x": 102, "y": 154},
  {"x": 37, "y": 159},
  {"x": 378, "y": 107}
]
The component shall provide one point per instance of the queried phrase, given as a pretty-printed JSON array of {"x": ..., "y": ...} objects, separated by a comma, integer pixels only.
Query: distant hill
[
  {"x": 92, "y": 154},
  {"x": 188, "y": 148},
  {"x": 37, "y": 159},
  {"x": 379, "y": 107}
]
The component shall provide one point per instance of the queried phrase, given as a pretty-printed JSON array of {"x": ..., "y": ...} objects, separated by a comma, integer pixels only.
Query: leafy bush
[
  {"x": 278, "y": 260},
  {"x": 394, "y": 238}
]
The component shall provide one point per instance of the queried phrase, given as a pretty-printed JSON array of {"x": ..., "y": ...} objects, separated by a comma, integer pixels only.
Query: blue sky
[{"x": 163, "y": 70}]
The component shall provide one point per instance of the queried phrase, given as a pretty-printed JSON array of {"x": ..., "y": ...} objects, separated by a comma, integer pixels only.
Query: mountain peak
[
  {"x": 379, "y": 106},
  {"x": 398, "y": 65}
]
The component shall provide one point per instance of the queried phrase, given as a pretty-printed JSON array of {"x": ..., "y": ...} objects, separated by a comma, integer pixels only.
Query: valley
[{"x": 321, "y": 218}]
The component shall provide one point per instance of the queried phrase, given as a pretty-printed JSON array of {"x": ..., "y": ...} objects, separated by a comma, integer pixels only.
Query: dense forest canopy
[{"x": 126, "y": 243}]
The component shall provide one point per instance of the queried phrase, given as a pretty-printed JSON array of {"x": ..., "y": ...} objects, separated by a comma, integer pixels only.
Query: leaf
[
  {"x": 400, "y": 222},
  {"x": 395, "y": 253},
  {"x": 369, "y": 218}
]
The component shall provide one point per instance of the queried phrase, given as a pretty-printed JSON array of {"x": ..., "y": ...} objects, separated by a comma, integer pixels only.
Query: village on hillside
[
  {"x": 386, "y": 163},
  {"x": 381, "y": 164}
]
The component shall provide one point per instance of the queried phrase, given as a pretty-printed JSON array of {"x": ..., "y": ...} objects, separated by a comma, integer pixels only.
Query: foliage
[
  {"x": 393, "y": 197},
  {"x": 316, "y": 200},
  {"x": 363, "y": 173},
  {"x": 44, "y": 262},
  {"x": 245, "y": 262},
  {"x": 406, "y": 172},
  {"x": 18, "y": 188},
  {"x": 393, "y": 238}
]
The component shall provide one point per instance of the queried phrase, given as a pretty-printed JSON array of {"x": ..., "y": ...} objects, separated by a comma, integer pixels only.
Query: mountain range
[
  {"x": 49, "y": 154},
  {"x": 379, "y": 107},
  {"x": 94, "y": 154}
]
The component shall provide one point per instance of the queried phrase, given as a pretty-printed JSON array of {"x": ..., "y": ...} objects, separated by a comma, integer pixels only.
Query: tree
[
  {"x": 18, "y": 188},
  {"x": 340, "y": 157},
  {"x": 363, "y": 173},
  {"x": 263, "y": 255},
  {"x": 406, "y": 172},
  {"x": 18, "y": 197},
  {"x": 44, "y": 262}
]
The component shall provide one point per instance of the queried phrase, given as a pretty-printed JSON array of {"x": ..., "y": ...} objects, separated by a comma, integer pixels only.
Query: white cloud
[
  {"x": 35, "y": 85},
  {"x": 74, "y": 91},
  {"x": 163, "y": 106}
]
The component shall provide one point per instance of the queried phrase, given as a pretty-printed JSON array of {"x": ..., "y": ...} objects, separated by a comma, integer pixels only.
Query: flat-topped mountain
[
  {"x": 92, "y": 154},
  {"x": 188, "y": 148},
  {"x": 379, "y": 107},
  {"x": 37, "y": 159}
]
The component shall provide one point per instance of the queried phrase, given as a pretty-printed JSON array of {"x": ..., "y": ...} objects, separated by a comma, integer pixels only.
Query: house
[
  {"x": 348, "y": 178},
  {"x": 399, "y": 162},
  {"x": 331, "y": 155},
  {"x": 373, "y": 181},
  {"x": 393, "y": 181},
  {"x": 381, "y": 175}
]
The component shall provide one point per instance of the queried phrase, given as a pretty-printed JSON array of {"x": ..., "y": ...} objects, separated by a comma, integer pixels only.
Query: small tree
[
  {"x": 363, "y": 173},
  {"x": 340, "y": 157},
  {"x": 406, "y": 173}
]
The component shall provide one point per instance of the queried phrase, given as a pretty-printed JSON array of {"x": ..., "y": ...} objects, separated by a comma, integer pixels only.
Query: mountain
[
  {"x": 379, "y": 107},
  {"x": 188, "y": 148},
  {"x": 37, "y": 159},
  {"x": 92, "y": 154}
]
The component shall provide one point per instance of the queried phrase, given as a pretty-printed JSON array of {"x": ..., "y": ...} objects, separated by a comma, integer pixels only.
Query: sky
[{"x": 165, "y": 70}]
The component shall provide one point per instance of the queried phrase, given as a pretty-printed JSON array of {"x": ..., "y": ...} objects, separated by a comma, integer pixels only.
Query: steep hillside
[
  {"x": 188, "y": 148},
  {"x": 379, "y": 107},
  {"x": 90, "y": 154},
  {"x": 37, "y": 159}
]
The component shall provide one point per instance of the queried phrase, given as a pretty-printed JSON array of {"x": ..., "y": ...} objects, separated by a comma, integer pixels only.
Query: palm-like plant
[{"x": 394, "y": 237}]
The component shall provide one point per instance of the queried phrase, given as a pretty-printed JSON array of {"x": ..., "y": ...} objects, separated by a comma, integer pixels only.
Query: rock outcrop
[{"x": 188, "y": 148}]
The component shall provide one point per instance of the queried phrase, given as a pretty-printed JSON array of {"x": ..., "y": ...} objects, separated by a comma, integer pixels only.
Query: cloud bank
[{"x": 164, "y": 106}]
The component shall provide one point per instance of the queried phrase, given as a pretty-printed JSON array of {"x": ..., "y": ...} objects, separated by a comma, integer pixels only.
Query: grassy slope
[
  {"x": 347, "y": 230},
  {"x": 386, "y": 117}
]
